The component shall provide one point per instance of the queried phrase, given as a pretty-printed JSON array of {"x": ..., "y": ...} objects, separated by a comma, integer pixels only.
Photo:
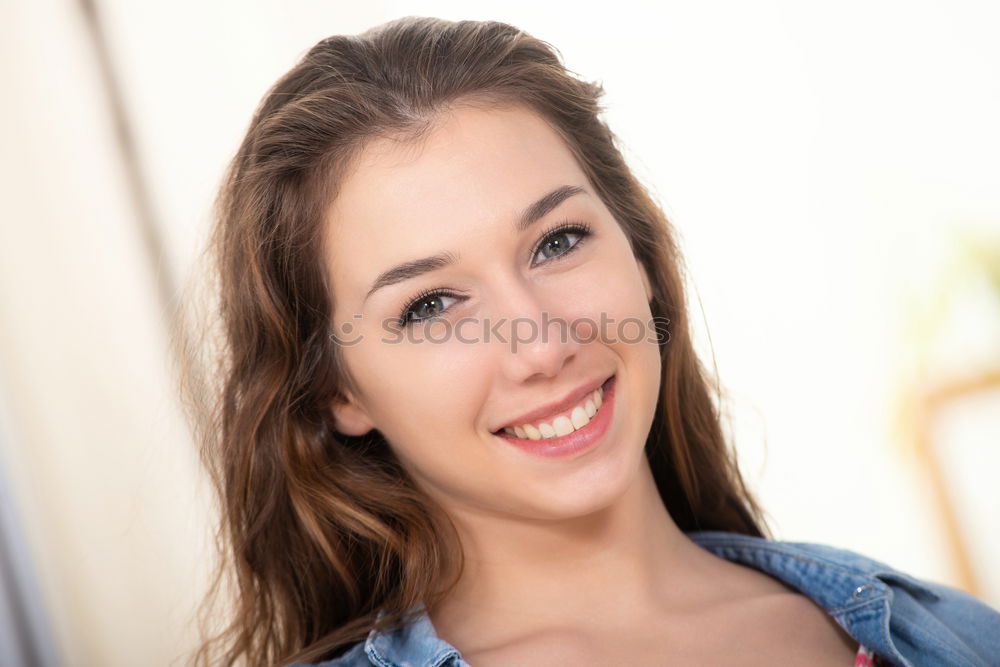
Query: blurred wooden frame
[{"x": 929, "y": 407}]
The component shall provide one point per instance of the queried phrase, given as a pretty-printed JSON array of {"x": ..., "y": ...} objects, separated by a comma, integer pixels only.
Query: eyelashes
[{"x": 406, "y": 317}]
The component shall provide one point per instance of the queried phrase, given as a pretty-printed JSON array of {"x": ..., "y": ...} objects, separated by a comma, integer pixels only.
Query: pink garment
[{"x": 865, "y": 658}]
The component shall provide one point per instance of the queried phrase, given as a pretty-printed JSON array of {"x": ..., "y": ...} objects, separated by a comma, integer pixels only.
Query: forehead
[{"x": 471, "y": 174}]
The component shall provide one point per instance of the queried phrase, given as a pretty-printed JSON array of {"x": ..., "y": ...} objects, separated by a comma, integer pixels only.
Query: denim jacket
[{"x": 905, "y": 620}]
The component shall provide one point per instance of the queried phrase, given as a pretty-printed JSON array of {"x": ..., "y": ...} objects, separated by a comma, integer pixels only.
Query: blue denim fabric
[{"x": 910, "y": 622}]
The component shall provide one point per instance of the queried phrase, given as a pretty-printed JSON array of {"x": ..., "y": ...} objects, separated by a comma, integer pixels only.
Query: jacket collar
[
  {"x": 415, "y": 643},
  {"x": 850, "y": 587}
]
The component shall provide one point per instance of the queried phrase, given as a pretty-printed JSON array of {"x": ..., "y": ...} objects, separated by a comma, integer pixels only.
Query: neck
[{"x": 626, "y": 559}]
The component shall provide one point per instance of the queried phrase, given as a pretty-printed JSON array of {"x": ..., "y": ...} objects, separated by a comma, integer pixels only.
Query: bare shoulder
[
  {"x": 777, "y": 622},
  {"x": 789, "y": 627}
]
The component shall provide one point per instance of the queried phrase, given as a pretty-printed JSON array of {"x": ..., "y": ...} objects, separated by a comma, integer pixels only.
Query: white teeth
[{"x": 563, "y": 424}]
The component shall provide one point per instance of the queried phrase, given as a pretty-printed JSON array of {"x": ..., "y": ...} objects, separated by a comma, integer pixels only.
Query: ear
[{"x": 350, "y": 418}]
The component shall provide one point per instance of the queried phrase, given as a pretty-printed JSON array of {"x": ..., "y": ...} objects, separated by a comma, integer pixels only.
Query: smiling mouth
[{"x": 563, "y": 423}]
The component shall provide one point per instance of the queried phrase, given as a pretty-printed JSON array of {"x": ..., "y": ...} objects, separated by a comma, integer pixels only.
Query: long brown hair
[{"x": 324, "y": 537}]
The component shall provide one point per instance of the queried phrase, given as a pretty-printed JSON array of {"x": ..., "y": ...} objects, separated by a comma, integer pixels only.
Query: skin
[{"x": 572, "y": 559}]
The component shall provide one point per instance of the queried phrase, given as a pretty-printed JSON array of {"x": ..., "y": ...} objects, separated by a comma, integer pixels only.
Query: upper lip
[{"x": 567, "y": 401}]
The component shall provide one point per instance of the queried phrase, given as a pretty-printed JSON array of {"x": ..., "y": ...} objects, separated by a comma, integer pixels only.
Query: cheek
[
  {"x": 413, "y": 391},
  {"x": 426, "y": 404},
  {"x": 609, "y": 292}
]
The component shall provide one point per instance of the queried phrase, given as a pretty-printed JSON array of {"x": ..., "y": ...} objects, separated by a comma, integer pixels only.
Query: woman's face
[{"x": 467, "y": 195}]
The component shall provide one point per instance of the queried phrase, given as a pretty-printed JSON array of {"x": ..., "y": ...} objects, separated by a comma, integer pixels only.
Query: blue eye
[
  {"x": 555, "y": 244},
  {"x": 416, "y": 311},
  {"x": 555, "y": 240}
]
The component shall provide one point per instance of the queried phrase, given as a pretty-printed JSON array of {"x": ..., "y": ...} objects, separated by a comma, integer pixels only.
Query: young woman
[{"x": 460, "y": 418}]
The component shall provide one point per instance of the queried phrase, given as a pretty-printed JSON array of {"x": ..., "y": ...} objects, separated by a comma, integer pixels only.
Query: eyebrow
[{"x": 418, "y": 267}]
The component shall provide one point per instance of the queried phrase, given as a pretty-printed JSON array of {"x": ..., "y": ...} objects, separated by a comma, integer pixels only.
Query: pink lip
[
  {"x": 555, "y": 407},
  {"x": 574, "y": 442}
]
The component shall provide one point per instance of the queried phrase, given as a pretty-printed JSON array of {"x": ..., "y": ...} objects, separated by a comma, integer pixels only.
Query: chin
[{"x": 584, "y": 492}]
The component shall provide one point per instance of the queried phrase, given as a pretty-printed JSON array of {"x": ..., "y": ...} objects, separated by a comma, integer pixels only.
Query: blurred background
[{"x": 832, "y": 170}]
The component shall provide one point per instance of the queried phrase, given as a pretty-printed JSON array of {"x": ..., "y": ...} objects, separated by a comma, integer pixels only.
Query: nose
[{"x": 537, "y": 340}]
